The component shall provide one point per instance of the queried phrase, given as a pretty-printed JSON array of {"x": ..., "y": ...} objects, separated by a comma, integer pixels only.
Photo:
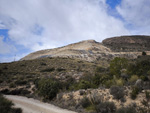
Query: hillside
[
  {"x": 84, "y": 50},
  {"x": 65, "y": 77},
  {"x": 128, "y": 43},
  {"x": 90, "y": 50}
]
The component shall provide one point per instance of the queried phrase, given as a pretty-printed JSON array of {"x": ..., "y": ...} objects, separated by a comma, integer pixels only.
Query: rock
[{"x": 139, "y": 83}]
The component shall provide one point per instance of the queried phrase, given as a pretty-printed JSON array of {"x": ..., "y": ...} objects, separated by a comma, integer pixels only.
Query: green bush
[
  {"x": 12, "y": 85},
  {"x": 139, "y": 68},
  {"x": 117, "y": 64},
  {"x": 134, "y": 93},
  {"x": 48, "y": 70},
  {"x": 48, "y": 88},
  {"x": 70, "y": 83},
  {"x": 119, "y": 82},
  {"x": 129, "y": 109},
  {"x": 6, "y": 106},
  {"x": 82, "y": 84},
  {"x": 114, "y": 81},
  {"x": 25, "y": 92},
  {"x": 21, "y": 82},
  {"x": 100, "y": 69},
  {"x": 109, "y": 83},
  {"x": 144, "y": 78},
  {"x": 100, "y": 79},
  {"x": 85, "y": 102},
  {"x": 133, "y": 79},
  {"x": 106, "y": 107}
]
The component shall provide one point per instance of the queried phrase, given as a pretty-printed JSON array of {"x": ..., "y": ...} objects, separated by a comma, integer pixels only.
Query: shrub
[
  {"x": 100, "y": 79},
  {"x": 96, "y": 102},
  {"x": 16, "y": 110},
  {"x": 85, "y": 102},
  {"x": 109, "y": 83},
  {"x": 133, "y": 79},
  {"x": 4, "y": 91},
  {"x": 100, "y": 69},
  {"x": 12, "y": 85},
  {"x": 96, "y": 79},
  {"x": 134, "y": 93},
  {"x": 144, "y": 78},
  {"x": 6, "y": 106},
  {"x": 48, "y": 70},
  {"x": 48, "y": 88},
  {"x": 95, "y": 98},
  {"x": 140, "y": 67},
  {"x": 117, "y": 92},
  {"x": 43, "y": 64},
  {"x": 119, "y": 82},
  {"x": 106, "y": 107},
  {"x": 1, "y": 81},
  {"x": 25, "y": 92},
  {"x": 115, "y": 81},
  {"x": 129, "y": 109},
  {"x": 70, "y": 83},
  {"x": 117, "y": 64},
  {"x": 145, "y": 103},
  {"x": 20, "y": 91},
  {"x": 143, "y": 53},
  {"x": 60, "y": 69},
  {"x": 82, "y": 85},
  {"x": 20, "y": 82}
]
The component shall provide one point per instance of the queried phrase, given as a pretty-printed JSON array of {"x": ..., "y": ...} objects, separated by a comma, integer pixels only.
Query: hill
[
  {"x": 65, "y": 77},
  {"x": 90, "y": 50},
  {"x": 83, "y": 50},
  {"x": 128, "y": 43}
]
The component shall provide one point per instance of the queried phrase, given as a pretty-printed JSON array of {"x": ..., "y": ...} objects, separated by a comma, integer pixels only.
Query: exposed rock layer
[{"x": 90, "y": 50}]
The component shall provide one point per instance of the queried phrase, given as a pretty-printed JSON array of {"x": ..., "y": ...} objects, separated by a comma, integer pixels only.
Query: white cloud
[
  {"x": 5, "y": 48},
  {"x": 136, "y": 14},
  {"x": 42, "y": 24}
]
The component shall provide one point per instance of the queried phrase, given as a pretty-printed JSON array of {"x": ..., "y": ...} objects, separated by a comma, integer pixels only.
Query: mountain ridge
[{"x": 91, "y": 50}]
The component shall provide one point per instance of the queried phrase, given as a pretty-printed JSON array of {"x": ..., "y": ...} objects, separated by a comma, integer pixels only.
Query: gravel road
[{"x": 30, "y": 105}]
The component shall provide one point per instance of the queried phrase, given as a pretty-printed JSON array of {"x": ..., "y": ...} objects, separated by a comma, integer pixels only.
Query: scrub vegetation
[{"x": 56, "y": 79}]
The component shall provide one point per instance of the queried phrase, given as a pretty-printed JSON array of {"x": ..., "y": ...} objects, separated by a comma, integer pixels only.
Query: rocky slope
[
  {"x": 90, "y": 50},
  {"x": 128, "y": 43}
]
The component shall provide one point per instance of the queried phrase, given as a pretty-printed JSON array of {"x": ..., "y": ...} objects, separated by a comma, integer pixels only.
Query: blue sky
[
  {"x": 113, "y": 3},
  {"x": 30, "y": 25}
]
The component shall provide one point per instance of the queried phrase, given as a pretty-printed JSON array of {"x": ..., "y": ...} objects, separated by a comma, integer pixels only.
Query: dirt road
[{"x": 29, "y": 105}]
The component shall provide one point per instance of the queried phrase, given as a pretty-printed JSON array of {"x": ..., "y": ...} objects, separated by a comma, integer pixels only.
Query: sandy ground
[{"x": 30, "y": 105}]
